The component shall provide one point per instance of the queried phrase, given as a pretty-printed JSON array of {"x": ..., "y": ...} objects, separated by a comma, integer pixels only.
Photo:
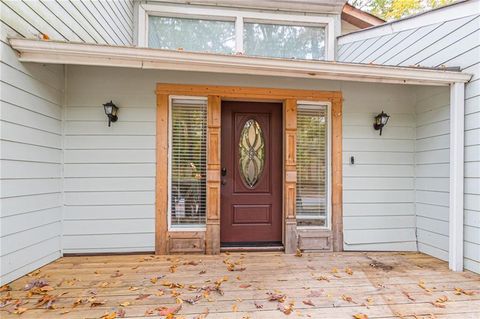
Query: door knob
[{"x": 224, "y": 171}]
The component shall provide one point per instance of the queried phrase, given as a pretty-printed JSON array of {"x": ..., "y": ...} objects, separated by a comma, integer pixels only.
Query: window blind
[
  {"x": 312, "y": 159},
  {"x": 188, "y": 162}
]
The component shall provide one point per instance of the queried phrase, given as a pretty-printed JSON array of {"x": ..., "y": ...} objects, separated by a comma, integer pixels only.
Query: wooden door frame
[{"x": 209, "y": 241}]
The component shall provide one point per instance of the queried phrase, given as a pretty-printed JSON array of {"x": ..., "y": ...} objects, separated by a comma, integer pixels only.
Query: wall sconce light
[
  {"x": 380, "y": 121},
  {"x": 111, "y": 112}
]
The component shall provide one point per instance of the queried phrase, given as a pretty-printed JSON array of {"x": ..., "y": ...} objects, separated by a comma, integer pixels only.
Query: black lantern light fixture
[
  {"x": 380, "y": 121},
  {"x": 111, "y": 112}
]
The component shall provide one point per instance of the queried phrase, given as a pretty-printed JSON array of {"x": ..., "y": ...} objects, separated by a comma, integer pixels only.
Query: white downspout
[{"x": 457, "y": 106}]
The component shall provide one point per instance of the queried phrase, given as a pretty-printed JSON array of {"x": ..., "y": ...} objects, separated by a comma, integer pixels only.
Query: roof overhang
[{"x": 132, "y": 57}]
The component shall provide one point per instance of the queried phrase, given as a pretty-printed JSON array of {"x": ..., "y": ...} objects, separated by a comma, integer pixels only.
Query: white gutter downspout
[{"x": 457, "y": 106}]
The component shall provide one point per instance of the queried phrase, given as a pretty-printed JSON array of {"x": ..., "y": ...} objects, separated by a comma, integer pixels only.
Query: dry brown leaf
[
  {"x": 298, "y": 253},
  {"x": 5, "y": 288},
  {"x": 234, "y": 308},
  {"x": 308, "y": 303},
  {"x": 286, "y": 309},
  {"x": 125, "y": 304},
  {"x": 95, "y": 303},
  {"x": 104, "y": 284},
  {"x": 348, "y": 298},
  {"x": 442, "y": 299},
  {"x": 131, "y": 288},
  {"x": 20, "y": 310},
  {"x": 421, "y": 284},
  {"x": 245, "y": 285},
  {"x": 258, "y": 305},
  {"x": 193, "y": 300},
  {"x": 360, "y": 316},
  {"x": 438, "y": 304},
  {"x": 276, "y": 297},
  {"x": 349, "y": 271},
  {"x": 408, "y": 295},
  {"x": 323, "y": 278},
  {"x": 111, "y": 315},
  {"x": 142, "y": 296},
  {"x": 169, "y": 311}
]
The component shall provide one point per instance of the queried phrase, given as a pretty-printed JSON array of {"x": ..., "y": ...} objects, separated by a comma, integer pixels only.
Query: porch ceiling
[{"x": 121, "y": 56}]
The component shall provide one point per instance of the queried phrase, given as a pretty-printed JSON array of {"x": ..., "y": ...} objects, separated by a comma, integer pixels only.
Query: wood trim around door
[{"x": 208, "y": 241}]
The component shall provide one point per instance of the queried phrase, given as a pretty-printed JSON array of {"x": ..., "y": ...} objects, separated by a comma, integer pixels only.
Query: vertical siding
[
  {"x": 92, "y": 21},
  {"x": 30, "y": 156},
  {"x": 452, "y": 43},
  {"x": 378, "y": 197}
]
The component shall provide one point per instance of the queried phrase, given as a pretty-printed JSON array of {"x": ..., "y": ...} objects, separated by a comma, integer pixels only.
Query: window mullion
[{"x": 239, "y": 34}]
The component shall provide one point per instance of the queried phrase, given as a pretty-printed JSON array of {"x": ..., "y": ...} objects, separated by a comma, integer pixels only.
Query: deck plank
[{"x": 401, "y": 284}]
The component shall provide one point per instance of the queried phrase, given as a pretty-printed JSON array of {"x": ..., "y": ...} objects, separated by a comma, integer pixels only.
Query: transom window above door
[{"x": 238, "y": 32}]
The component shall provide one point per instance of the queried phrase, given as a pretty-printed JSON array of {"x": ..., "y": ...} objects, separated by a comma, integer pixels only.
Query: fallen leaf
[
  {"x": 193, "y": 300},
  {"x": 308, "y": 303},
  {"x": 298, "y": 253},
  {"x": 104, "y": 284},
  {"x": 349, "y": 271},
  {"x": 125, "y": 304},
  {"x": 323, "y": 278},
  {"x": 234, "y": 308},
  {"x": 95, "y": 303},
  {"x": 245, "y": 286},
  {"x": 36, "y": 283},
  {"x": 408, "y": 296},
  {"x": 348, "y": 298},
  {"x": 258, "y": 305},
  {"x": 276, "y": 297},
  {"x": 142, "y": 296},
  {"x": 117, "y": 274},
  {"x": 20, "y": 310},
  {"x": 111, "y": 315},
  {"x": 5, "y": 288},
  {"x": 131, "y": 288},
  {"x": 286, "y": 309},
  {"x": 438, "y": 304},
  {"x": 169, "y": 311},
  {"x": 360, "y": 316},
  {"x": 442, "y": 299},
  {"x": 45, "y": 36}
]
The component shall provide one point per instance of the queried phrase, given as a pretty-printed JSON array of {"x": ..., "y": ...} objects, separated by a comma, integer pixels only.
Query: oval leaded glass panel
[{"x": 252, "y": 152}]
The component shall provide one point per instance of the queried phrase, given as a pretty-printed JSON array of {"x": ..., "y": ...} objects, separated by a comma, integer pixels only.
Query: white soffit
[{"x": 119, "y": 56}]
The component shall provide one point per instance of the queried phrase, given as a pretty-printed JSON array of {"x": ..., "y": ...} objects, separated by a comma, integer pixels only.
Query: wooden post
[
  {"x": 337, "y": 188},
  {"x": 212, "y": 236},
  {"x": 290, "y": 174},
  {"x": 161, "y": 198}
]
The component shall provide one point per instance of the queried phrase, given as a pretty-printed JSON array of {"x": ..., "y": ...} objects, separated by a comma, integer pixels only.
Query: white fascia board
[
  {"x": 442, "y": 14},
  {"x": 104, "y": 55}
]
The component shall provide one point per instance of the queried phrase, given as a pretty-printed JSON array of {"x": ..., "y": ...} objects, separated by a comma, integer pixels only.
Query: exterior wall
[
  {"x": 97, "y": 21},
  {"x": 109, "y": 172},
  {"x": 378, "y": 197},
  {"x": 31, "y": 97},
  {"x": 451, "y": 40},
  {"x": 432, "y": 160}
]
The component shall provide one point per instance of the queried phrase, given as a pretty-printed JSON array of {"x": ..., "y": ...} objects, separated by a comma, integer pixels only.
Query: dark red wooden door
[{"x": 251, "y": 198}]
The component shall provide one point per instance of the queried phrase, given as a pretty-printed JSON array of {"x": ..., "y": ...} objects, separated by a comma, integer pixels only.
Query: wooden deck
[{"x": 239, "y": 285}]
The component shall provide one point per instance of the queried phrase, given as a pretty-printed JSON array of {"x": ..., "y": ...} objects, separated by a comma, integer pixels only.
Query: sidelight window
[
  {"x": 312, "y": 201},
  {"x": 187, "y": 170}
]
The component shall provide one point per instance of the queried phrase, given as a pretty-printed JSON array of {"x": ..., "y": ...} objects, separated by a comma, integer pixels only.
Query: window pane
[
  {"x": 191, "y": 34},
  {"x": 188, "y": 166},
  {"x": 284, "y": 41},
  {"x": 312, "y": 167}
]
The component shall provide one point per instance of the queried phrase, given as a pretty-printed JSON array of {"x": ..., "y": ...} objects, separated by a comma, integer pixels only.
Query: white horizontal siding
[
  {"x": 91, "y": 21},
  {"x": 432, "y": 158},
  {"x": 378, "y": 190},
  {"x": 31, "y": 157}
]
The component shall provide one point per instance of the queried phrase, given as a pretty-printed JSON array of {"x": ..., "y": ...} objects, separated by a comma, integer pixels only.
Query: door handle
[{"x": 224, "y": 171}]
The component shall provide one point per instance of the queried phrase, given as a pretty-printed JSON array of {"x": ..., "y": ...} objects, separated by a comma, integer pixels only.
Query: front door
[{"x": 251, "y": 197}]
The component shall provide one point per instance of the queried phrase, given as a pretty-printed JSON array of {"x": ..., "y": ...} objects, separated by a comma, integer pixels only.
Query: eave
[{"x": 40, "y": 51}]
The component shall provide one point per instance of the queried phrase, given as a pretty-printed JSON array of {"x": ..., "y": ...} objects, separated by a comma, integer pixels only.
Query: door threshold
[{"x": 250, "y": 248}]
